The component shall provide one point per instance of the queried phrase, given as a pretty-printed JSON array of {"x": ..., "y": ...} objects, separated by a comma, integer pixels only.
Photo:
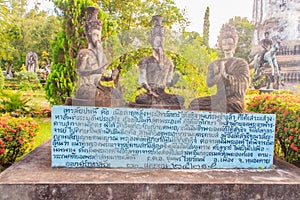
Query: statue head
[
  {"x": 157, "y": 19},
  {"x": 267, "y": 34},
  {"x": 157, "y": 35},
  {"x": 228, "y": 33},
  {"x": 92, "y": 24}
]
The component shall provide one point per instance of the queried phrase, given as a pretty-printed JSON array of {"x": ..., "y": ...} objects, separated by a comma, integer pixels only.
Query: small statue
[
  {"x": 264, "y": 59},
  {"x": 230, "y": 74},
  {"x": 156, "y": 72},
  {"x": 31, "y": 61}
]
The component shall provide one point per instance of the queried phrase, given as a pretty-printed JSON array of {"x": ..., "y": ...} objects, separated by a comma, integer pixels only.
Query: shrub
[
  {"x": 14, "y": 103},
  {"x": 27, "y": 76},
  {"x": 28, "y": 80},
  {"x": 286, "y": 106},
  {"x": 16, "y": 138}
]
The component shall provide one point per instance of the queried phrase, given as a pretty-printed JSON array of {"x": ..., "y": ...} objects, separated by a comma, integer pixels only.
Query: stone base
[
  {"x": 101, "y": 96},
  {"x": 33, "y": 178}
]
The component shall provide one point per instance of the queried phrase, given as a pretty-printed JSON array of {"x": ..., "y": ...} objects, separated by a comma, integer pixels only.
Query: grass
[{"x": 45, "y": 131}]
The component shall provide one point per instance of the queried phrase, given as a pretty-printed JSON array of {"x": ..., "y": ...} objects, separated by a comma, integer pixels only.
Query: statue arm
[
  {"x": 143, "y": 76},
  {"x": 90, "y": 72},
  {"x": 239, "y": 78},
  {"x": 81, "y": 65},
  {"x": 101, "y": 58},
  {"x": 172, "y": 80},
  {"x": 213, "y": 76}
]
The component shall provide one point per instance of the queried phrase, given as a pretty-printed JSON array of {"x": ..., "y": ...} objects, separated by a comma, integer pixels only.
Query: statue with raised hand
[
  {"x": 91, "y": 65},
  {"x": 156, "y": 72},
  {"x": 92, "y": 62}
]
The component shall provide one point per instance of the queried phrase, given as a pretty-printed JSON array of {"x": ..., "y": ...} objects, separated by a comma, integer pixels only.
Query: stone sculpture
[
  {"x": 91, "y": 64},
  {"x": 230, "y": 75},
  {"x": 156, "y": 72},
  {"x": 31, "y": 61},
  {"x": 264, "y": 59}
]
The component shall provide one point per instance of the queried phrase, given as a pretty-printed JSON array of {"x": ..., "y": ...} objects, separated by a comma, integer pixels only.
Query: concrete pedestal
[{"x": 33, "y": 178}]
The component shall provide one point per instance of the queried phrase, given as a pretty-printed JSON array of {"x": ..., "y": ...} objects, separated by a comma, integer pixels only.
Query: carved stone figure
[
  {"x": 156, "y": 72},
  {"x": 230, "y": 75},
  {"x": 9, "y": 73},
  {"x": 264, "y": 60},
  {"x": 31, "y": 61},
  {"x": 91, "y": 64}
]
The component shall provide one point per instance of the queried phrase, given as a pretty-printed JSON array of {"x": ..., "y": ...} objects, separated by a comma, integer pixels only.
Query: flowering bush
[
  {"x": 286, "y": 106},
  {"x": 16, "y": 138}
]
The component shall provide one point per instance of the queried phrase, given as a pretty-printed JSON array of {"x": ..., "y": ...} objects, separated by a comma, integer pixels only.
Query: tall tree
[
  {"x": 9, "y": 33},
  {"x": 206, "y": 26},
  {"x": 31, "y": 30},
  {"x": 245, "y": 30}
]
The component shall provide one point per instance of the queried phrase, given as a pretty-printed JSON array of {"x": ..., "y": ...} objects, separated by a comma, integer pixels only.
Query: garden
[
  {"x": 26, "y": 99},
  {"x": 25, "y": 121}
]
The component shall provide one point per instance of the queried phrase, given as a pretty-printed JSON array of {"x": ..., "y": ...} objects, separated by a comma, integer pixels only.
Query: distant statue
[
  {"x": 91, "y": 65},
  {"x": 9, "y": 73},
  {"x": 156, "y": 71},
  {"x": 230, "y": 75},
  {"x": 31, "y": 61},
  {"x": 265, "y": 58}
]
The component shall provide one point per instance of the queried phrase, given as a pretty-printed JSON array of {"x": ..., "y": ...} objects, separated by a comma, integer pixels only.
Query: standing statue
[
  {"x": 91, "y": 64},
  {"x": 230, "y": 75},
  {"x": 31, "y": 61},
  {"x": 156, "y": 72}
]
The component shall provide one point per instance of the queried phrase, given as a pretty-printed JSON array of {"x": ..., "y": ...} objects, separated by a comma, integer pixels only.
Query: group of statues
[{"x": 231, "y": 75}]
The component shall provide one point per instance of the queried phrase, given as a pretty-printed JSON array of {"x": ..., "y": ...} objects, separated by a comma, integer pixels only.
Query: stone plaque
[{"x": 170, "y": 139}]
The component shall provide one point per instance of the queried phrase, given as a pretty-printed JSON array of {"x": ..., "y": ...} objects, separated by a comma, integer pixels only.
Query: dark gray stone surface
[{"x": 33, "y": 178}]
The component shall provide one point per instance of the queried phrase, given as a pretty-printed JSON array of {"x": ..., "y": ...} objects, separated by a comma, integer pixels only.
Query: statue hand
[
  {"x": 222, "y": 69},
  {"x": 174, "y": 80},
  {"x": 146, "y": 86},
  {"x": 149, "y": 91}
]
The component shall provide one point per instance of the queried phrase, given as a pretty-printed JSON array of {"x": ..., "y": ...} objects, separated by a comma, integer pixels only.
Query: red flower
[
  {"x": 2, "y": 151},
  {"x": 291, "y": 137},
  {"x": 294, "y": 147},
  {"x": 253, "y": 105},
  {"x": 286, "y": 112},
  {"x": 285, "y": 129}
]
